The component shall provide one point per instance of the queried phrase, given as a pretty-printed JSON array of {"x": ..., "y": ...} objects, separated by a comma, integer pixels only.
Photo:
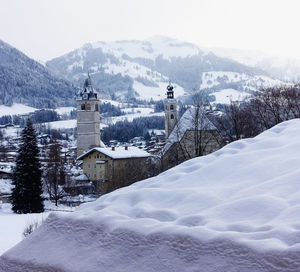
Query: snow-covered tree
[{"x": 26, "y": 195}]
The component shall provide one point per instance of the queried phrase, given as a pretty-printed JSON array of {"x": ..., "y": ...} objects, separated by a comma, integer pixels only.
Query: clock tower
[
  {"x": 170, "y": 111},
  {"x": 88, "y": 118}
]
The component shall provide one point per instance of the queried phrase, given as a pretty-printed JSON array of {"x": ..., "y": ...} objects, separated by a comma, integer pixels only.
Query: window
[
  {"x": 172, "y": 107},
  {"x": 166, "y": 107},
  {"x": 89, "y": 175},
  {"x": 97, "y": 156},
  {"x": 95, "y": 175},
  {"x": 89, "y": 166},
  {"x": 96, "y": 107},
  {"x": 95, "y": 165},
  {"x": 172, "y": 116},
  {"x": 82, "y": 106},
  {"x": 88, "y": 106}
]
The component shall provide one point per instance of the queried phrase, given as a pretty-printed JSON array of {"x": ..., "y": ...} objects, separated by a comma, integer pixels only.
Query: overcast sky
[{"x": 44, "y": 29}]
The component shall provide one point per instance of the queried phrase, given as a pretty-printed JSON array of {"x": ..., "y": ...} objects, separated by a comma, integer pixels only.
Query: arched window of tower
[
  {"x": 172, "y": 107},
  {"x": 172, "y": 116},
  {"x": 82, "y": 106},
  {"x": 88, "y": 107}
]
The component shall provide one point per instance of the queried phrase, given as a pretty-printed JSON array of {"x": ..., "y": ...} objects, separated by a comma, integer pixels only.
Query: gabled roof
[
  {"x": 118, "y": 152},
  {"x": 188, "y": 122}
]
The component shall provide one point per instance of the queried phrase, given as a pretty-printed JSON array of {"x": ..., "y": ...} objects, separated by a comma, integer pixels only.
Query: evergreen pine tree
[{"x": 26, "y": 194}]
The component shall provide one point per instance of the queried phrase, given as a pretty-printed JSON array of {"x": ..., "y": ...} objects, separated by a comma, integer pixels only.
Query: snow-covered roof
[
  {"x": 187, "y": 122},
  {"x": 118, "y": 152},
  {"x": 82, "y": 177}
]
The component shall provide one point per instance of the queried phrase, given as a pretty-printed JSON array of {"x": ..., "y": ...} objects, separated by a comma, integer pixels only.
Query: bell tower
[
  {"x": 170, "y": 111},
  {"x": 88, "y": 118}
]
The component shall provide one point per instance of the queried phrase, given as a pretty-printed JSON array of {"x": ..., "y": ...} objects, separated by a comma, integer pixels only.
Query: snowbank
[
  {"x": 237, "y": 209},
  {"x": 13, "y": 225}
]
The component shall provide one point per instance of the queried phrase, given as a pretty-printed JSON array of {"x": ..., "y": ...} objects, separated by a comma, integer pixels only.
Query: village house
[{"x": 114, "y": 167}]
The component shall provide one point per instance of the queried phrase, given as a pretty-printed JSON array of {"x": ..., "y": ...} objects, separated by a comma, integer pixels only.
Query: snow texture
[
  {"x": 235, "y": 210},
  {"x": 13, "y": 225}
]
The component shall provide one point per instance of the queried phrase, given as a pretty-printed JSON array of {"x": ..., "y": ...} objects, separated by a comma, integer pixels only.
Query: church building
[
  {"x": 107, "y": 168},
  {"x": 88, "y": 118},
  {"x": 190, "y": 136}
]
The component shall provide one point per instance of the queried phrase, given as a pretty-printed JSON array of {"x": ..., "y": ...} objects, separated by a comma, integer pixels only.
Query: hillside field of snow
[
  {"x": 237, "y": 209},
  {"x": 15, "y": 109}
]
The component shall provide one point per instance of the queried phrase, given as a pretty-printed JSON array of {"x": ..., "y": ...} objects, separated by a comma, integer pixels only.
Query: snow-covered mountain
[
  {"x": 24, "y": 80},
  {"x": 283, "y": 68},
  {"x": 236, "y": 209},
  {"x": 141, "y": 69}
]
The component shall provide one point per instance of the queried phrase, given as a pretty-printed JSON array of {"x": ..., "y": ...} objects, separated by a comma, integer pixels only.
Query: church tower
[
  {"x": 170, "y": 111},
  {"x": 88, "y": 118}
]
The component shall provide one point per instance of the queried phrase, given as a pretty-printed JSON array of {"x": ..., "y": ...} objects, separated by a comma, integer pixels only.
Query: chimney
[
  {"x": 126, "y": 147},
  {"x": 113, "y": 148}
]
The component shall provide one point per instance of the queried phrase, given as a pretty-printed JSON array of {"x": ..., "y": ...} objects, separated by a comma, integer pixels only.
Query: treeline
[
  {"x": 265, "y": 109},
  {"x": 39, "y": 116},
  {"x": 123, "y": 131},
  {"x": 109, "y": 110}
]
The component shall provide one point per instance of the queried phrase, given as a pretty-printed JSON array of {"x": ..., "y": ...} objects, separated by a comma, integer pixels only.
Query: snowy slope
[
  {"x": 234, "y": 210},
  {"x": 15, "y": 109}
]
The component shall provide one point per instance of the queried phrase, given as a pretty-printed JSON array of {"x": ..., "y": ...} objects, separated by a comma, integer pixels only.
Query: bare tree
[
  {"x": 233, "y": 121},
  {"x": 55, "y": 173},
  {"x": 263, "y": 110}
]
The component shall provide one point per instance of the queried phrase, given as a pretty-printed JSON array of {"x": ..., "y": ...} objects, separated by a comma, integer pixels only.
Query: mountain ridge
[{"x": 141, "y": 68}]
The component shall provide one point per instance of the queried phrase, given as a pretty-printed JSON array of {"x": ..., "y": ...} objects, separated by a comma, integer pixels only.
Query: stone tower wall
[
  {"x": 88, "y": 126},
  {"x": 169, "y": 112}
]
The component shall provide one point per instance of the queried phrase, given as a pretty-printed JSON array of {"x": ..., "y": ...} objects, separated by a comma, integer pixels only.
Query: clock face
[{"x": 85, "y": 96}]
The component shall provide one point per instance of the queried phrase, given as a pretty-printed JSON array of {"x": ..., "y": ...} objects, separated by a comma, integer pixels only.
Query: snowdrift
[{"x": 237, "y": 209}]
